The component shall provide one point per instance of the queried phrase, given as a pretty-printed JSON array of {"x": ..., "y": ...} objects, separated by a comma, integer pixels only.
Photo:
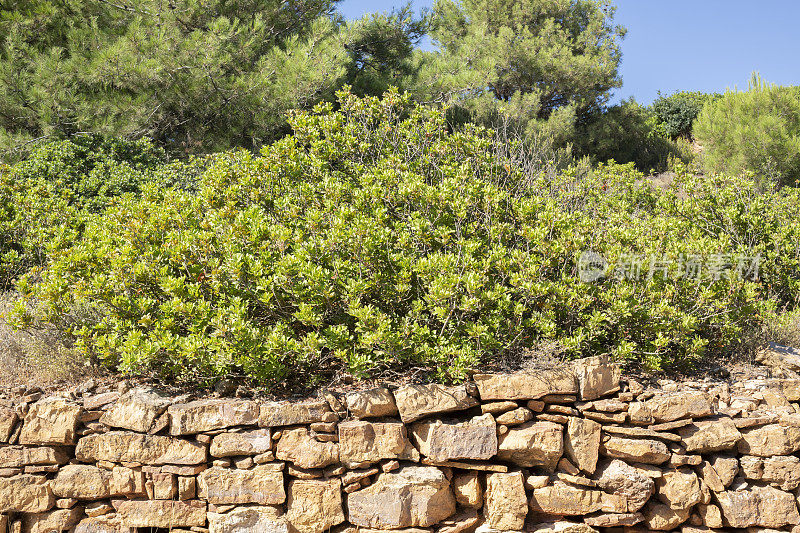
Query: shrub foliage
[
  {"x": 676, "y": 112},
  {"x": 374, "y": 238}
]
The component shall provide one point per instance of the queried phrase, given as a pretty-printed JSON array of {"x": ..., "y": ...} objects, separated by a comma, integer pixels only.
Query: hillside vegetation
[{"x": 267, "y": 191}]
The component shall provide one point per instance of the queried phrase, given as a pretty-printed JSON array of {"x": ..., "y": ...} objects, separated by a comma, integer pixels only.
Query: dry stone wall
[{"x": 576, "y": 449}]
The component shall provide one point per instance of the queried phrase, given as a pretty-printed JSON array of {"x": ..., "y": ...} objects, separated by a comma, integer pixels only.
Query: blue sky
[{"x": 702, "y": 45}]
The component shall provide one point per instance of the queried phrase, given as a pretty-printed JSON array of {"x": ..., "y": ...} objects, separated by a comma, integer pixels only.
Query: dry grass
[
  {"x": 784, "y": 330},
  {"x": 38, "y": 357}
]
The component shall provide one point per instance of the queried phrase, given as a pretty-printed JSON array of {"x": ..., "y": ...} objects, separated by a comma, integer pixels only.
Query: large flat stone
[
  {"x": 679, "y": 489},
  {"x": 314, "y": 505},
  {"x": 566, "y": 500},
  {"x": 208, "y": 415},
  {"x": 769, "y": 440},
  {"x": 371, "y": 403},
  {"x": 116, "y": 446},
  {"x": 136, "y": 410},
  {"x": 50, "y": 421},
  {"x": 582, "y": 443},
  {"x": 26, "y": 494},
  {"x": 635, "y": 450},
  {"x": 253, "y": 442},
  {"x": 258, "y": 519},
  {"x": 17, "y": 456},
  {"x": 162, "y": 513},
  {"x": 628, "y": 482},
  {"x": 274, "y": 414},
  {"x": 707, "y": 436},
  {"x": 417, "y": 401},
  {"x": 413, "y": 496},
  {"x": 758, "y": 507},
  {"x": 82, "y": 482},
  {"x": 52, "y": 521},
  {"x": 445, "y": 440},
  {"x": 506, "y": 504},
  {"x": 301, "y": 449},
  {"x": 370, "y": 442},
  {"x": 533, "y": 444},
  {"x": 526, "y": 386},
  {"x": 671, "y": 406},
  {"x": 261, "y": 484},
  {"x": 597, "y": 377}
]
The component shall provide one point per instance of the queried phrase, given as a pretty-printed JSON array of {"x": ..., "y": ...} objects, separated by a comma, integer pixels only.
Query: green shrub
[
  {"x": 754, "y": 131},
  {"x": 628, "y": 133},
  {"x": 374, "y": 239},
  {"x": 44, "y": 198},
  {"x": 676, "y": 112}
]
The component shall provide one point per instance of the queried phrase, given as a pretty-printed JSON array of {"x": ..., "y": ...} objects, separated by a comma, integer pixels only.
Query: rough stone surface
[
  {"x": 566, "y": 500},
  {"x": 710, "y": 435},
  {"x": 582, "y": 443},
  {"x": 26, "y": 494},
  {"x": 597, "y": 377},
  {"x": 506, "y": 505},
  {"x": 660, "y": 517},
  {"x": 8, "y": 419},
  {"x": 560, "y": 526},
  {"x": 693, "y": 456},
  {"x": 726, "y": 468},
  {"x": 136, "y": 410},
  {"x": 674, "y": 406},
  {"x": 679, "y": 489},
  {"x": 468, "y": 490},
  {"x": 769, "y": 440},
  {"x": 101, "y": 524},
  {"x": 208, "y": 415},
  {"x": 629, "y": 482},
  {"x": 636, "y": 450},
  {"x": 417, "y": 401},
  {"x": 53, "y": 521},
  {"x": 361, "y": 441},
  {"x": 371, "y": 403},
  {"x": 533, "y": 444},
  {"x": 315, "y": 505},
  {"x": 445, "y": 440},
  {"x": 274, "y": 414},
  {"x": 248, "y": 520},
  {"x": 119, "y": 447},
  {"x": 528, "y": 386},
  {"x": 16, "y": 456},
  {"x": 253, "y": 442},
  {"x": 783, "y": 471},
  {"x": 82, "y": 482},
  {"x": 413, "y": 496},
  {"x": 300, "y": 448},
  {"x": 162, "y": 513},
  {"x": 263, "y": 484},
  {"x": 758, "y": 506},
  {"x": 50, "y": 421}
]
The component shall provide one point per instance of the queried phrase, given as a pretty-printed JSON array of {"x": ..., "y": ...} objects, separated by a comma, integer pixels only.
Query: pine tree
[
  {"x": 194, "y": 75},
  {"x": 536, "y": 66},
  {"x": 756, "y": 131}
]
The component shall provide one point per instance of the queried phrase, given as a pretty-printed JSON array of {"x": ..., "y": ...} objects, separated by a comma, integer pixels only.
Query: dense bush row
[{"x": 375, "y": 238}]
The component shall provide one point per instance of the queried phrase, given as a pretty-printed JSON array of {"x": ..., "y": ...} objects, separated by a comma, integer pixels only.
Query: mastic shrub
[
  {"x": 375, "y": 239},
  {"x": 756, "y": 131},
  {"x": 45, "y": 197},
  {"x": 676, "y": 112},
  {"x": 628, "y": 133}
]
